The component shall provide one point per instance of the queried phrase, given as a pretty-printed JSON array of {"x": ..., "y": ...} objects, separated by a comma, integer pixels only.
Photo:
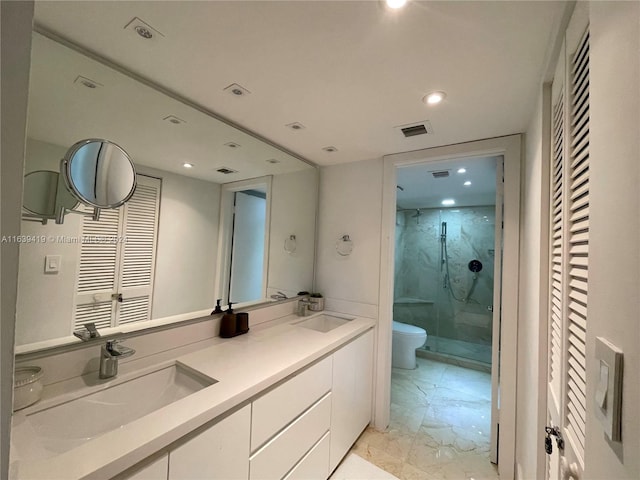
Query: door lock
[
  {"x": 117, "y": 296},
  {"x": 548, "y": 442}
]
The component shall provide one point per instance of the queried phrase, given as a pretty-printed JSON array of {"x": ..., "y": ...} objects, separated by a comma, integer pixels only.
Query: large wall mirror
[{"x": 166, "y": 254}]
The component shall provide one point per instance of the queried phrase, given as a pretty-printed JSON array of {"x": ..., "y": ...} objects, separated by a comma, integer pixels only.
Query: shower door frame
[{"x": 505, "y": 350}]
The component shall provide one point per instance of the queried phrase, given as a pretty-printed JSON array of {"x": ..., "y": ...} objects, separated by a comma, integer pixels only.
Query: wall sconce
[
  {"x": 290, "y": 244},
  {"x": 344, "y": 246}
]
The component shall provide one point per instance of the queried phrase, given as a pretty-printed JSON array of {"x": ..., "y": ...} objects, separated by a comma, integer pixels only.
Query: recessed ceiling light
[
  {"x": 143, "y": 29},
  {"x": 434, "y": 98},
  {"x": 330, "y": 149},
  {"x": 173, "y": 119},
  {"x": 448, "y": 201},
  {"x": 187, "y": 165},
  {"x": 272, "y": 160},
  {"x": 462, "y": 170},
  {"x": 232, "y": 145},
  {"x": 295, "y": 126},
  {"x": 237, "y": 90},
  {"x": 395, "y": 4},
  {"x": 467, "y": 183}
]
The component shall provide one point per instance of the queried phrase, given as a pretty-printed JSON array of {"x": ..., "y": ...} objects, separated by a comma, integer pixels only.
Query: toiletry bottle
[
  {"x": 228, "y": 323},
  {"x": 218, "y": 308},
  {"x": 242, "y": 322}
]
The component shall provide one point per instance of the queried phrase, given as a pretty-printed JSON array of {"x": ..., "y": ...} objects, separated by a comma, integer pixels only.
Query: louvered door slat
[{"x": 111, "y": 268}]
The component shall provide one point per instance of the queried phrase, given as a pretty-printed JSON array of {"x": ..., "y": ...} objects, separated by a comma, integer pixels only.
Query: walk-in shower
[{"x": 444, "y": 279}]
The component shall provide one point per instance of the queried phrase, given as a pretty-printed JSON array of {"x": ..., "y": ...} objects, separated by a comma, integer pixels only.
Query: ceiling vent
[
  {"x": 87, "y": 82},
  {"x": 440, "y": 173},
  {"x": 415, "y": 129},
  {"x": 226, "y": 170}
]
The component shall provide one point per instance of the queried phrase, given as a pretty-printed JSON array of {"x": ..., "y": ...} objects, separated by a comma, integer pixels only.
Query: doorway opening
[
  {"x": 445, "y": 249},
  {"x": 448, "y": 244},
  {"x": 505, "y": 295}
]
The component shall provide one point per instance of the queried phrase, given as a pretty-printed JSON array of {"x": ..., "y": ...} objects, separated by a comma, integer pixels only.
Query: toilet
[{"x": 405, "y": 340}]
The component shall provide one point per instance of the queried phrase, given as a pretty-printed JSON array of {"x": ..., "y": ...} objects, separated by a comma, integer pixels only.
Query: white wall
[
  {"x": 186, "y": 262},
  {"x": 614, "y": 259},
  {"x": 294, "y": 198},
  {"x": 350, "y": 204},
  {"x": 532, "y": 325},
  {"x": 15, "y": 41}
]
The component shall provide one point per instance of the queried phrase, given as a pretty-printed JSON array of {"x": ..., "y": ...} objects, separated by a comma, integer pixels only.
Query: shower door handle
[{"x": 490, "y": 308}]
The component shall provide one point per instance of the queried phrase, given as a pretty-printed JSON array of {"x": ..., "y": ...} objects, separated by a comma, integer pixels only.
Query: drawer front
[
  {"x": 274, "y": 410},
  {"x": 286, "y": 449},
  {"x": 315, "y": 464}
]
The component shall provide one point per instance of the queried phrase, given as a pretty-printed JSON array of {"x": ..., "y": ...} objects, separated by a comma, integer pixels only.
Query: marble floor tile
[
  {"x": 439, "y": 427},
  {"x": 354, "y": 467}
]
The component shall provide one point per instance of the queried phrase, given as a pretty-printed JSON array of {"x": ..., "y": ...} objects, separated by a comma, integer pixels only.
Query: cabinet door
[
  {"x": 351, "y": 395},
  {"x": 156, "y": 471},
  {"x": 219, "y": 453}
]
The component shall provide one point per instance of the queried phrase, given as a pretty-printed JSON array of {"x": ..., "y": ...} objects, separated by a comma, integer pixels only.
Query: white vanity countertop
[{"x": 243, "y": 366}]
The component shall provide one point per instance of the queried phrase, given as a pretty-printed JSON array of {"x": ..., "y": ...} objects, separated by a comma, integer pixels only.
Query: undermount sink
[
  {"x": 323, "y": 323},
  {"x": 60, "y": 428}
]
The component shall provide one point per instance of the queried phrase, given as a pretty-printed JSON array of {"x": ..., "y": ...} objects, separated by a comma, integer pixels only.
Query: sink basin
[
  {"x": 323, "y": 323},
  {"x": 56, "y": 429}
]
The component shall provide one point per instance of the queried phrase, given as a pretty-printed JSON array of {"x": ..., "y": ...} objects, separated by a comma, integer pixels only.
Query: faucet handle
[
  {"x": 115, "y": 348},
  {"x": 90, "y": 331}
]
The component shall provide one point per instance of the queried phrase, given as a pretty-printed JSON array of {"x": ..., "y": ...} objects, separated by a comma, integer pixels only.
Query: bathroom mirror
[
  {"x": 99, "y": 173},
  {"x": 174, "y": 209}
]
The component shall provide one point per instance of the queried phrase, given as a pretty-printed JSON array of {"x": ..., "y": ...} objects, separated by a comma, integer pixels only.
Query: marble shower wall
[{"x": 419, "y": 293}]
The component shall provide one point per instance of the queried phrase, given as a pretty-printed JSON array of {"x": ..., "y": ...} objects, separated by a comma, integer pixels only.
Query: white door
[{"x": 569, "y": 249}]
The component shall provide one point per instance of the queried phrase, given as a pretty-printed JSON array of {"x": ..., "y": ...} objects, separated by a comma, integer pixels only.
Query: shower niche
[{"x": 444, "y": 279}]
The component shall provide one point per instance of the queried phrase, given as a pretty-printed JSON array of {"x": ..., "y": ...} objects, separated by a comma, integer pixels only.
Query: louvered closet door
[
  {"x": 139, "y": 252},
  {"x": 569, "y": 254},
  {"x": 121, "y": 265}
]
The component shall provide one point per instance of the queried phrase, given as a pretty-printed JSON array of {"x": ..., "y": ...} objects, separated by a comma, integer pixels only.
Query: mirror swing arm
[{"x": 96, "y": 172}]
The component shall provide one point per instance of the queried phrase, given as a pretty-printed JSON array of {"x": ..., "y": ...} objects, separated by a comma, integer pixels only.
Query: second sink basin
[
  {"x": 64, "y": 426},
  {"x": 323, "y": 323}
]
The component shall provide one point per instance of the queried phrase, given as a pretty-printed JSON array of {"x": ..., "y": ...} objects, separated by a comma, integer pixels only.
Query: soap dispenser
[
  {"x": 228, "y": 323},
  {"x": 218, "y": 308}
]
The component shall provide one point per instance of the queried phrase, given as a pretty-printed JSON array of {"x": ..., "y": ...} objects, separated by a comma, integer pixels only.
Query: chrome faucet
[
  {"x": 110, "y": 353},
  {"x": 303, "y": 307}
]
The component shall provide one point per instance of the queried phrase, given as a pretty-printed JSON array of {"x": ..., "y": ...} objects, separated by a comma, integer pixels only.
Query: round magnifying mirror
[
  {"x": 42, "y": 193},
  {"x": 99, "y": 173}
]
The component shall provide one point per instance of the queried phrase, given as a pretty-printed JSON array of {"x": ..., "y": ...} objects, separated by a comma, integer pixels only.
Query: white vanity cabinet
[
  {"x": 219, "y": 453},
  {"x": 351, "y": 393},
  {"x": 154, "y": 471},
  {"x": 289, "y": 421},
  {"x": 298, "y": 430}
]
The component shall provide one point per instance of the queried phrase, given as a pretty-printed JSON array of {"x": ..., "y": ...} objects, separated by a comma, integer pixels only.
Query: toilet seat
[{"x": 404, "y": 329}]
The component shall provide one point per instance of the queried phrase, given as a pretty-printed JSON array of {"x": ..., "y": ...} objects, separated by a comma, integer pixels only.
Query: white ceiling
[
  {"x": 420, "y": 189},
  {"x": 349, "y": 71}
]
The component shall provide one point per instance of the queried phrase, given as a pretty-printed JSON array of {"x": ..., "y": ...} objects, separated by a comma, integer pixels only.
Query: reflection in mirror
[
  {"x": 42, "y": 190},
  {"x": 180, "y": 276},
  {"x": 99, "y": 173},
  {"x": 244, "y": 242}
]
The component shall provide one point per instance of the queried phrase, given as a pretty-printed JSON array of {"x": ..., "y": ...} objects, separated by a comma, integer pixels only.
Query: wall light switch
[
  {"x": 608, "y": 397},
  {"x": 52, "y": 263}
]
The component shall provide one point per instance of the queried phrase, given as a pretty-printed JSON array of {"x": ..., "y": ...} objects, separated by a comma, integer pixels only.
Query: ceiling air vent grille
[
  {"x": 440, "y": 173},
  {"x": 226, "y": 170},
  {"x": 415, "y": 129}
]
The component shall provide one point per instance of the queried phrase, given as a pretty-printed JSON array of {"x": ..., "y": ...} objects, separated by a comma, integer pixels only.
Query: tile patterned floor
[{"x": 440, "y": 418}]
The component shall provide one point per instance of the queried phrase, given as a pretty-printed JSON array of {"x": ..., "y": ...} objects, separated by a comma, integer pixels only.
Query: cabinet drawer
[
  {"x": 274, "y": 410},
  {"x": 315, "y": 464},
  {"x": 286, "y": 449}
]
